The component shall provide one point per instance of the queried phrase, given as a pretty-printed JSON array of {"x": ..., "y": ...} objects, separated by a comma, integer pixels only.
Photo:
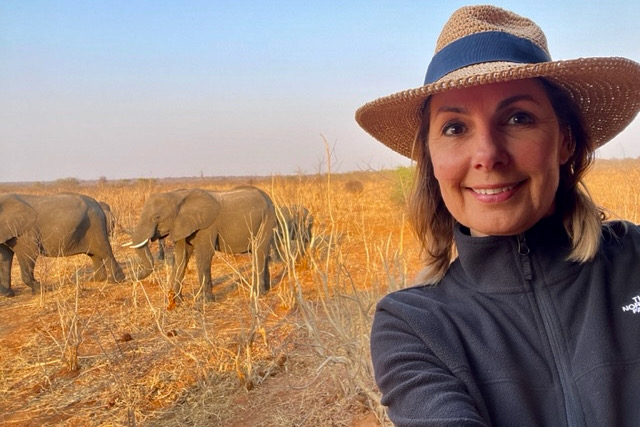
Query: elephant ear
[
  {"x": 197, "y": 210},
  {"x": 16, "y": 217}
]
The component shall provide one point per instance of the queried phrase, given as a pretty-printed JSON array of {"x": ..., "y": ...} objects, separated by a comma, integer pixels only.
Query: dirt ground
[{"x": 109, "y": 354}]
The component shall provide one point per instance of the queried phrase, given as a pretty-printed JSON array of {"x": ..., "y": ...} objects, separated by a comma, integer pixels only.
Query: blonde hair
[{"x": 582, "y": 218}]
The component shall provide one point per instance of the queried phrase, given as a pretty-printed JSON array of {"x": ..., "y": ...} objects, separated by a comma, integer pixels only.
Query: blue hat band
[{"x": 490, "y": 46}]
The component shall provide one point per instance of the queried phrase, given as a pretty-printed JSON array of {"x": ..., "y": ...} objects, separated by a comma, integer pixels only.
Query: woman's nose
[{"x": 489, "y": 151}]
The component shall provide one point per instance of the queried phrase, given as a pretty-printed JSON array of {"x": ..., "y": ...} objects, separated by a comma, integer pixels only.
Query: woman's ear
[{"x": 567, "y": 144}]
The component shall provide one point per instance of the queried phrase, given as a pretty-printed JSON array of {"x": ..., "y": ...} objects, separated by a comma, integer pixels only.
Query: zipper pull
[{"x": 524, "y": 252}]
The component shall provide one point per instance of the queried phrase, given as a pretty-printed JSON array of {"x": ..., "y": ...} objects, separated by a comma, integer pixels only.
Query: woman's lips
[
  {"x": 495, "y": 193},
  {"x": 495, "y": 190}
]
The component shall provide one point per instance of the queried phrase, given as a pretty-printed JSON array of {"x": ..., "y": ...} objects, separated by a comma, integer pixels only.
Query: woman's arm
[{"x": 417, "y": 387}]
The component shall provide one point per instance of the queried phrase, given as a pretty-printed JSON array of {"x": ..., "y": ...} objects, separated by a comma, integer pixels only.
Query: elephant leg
[
  {"x": 204, "y": 253},
  {"x": 99, "y": 269},
  {"x": 106, "y": 269},
  {"x": 6, "y": 257},
  {"x": 266, "y": 276},
  {"x": 182, "y": 253},
  {"x": 262, "y": 277},
  {"x": 27, "y": 266},
  {"x": 161, "y": 254}
]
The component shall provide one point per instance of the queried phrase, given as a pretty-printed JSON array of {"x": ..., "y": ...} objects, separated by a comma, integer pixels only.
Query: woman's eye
[
  {"x": 452, "y": 129},
  {"x": 520, "y": 119}
]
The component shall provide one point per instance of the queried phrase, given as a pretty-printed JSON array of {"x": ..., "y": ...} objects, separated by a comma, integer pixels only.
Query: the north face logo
[{"x": 634, "y": 306}]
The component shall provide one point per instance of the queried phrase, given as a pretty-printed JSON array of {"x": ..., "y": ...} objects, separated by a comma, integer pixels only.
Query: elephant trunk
[
  {"x": 145, "y": 265},
  {"x": 142, "y": 235}
]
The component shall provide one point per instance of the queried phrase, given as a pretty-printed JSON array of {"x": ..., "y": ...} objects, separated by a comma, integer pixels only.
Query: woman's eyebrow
[
  {"x": 446, "y": 109},
  {"x": 512, "y": 99}
]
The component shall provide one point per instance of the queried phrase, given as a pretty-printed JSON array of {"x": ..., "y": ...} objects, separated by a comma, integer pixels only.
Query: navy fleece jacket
[{"x": 514, "y": 335}]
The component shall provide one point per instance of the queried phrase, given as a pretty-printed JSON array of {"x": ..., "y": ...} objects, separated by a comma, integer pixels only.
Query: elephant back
[
  {"x": 249, "y": 200},
  {"x": 68, "y": 223},
  {"x": 245, "y": 209}
]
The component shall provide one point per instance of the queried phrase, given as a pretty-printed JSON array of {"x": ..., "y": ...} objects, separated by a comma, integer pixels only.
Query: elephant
[
  {"x": 293, "y": 233},
  {"x": 55, "y": 226},
  {"x": 201, "y": 222},
  {"x": 110, "y": 218}
]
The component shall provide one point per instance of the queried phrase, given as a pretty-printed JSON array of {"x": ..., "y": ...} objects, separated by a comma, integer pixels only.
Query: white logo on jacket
[{"x": 634, "y": 306}]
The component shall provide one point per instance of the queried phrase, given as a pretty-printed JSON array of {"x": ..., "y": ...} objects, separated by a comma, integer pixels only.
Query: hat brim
[{"x": 606, "y": 90}]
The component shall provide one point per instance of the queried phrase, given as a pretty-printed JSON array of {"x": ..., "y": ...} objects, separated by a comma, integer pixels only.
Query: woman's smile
[{"x": 493, "y": 189}]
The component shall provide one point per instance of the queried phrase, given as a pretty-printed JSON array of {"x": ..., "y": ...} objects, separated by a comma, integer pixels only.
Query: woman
[{"x": 533, "y": 316}]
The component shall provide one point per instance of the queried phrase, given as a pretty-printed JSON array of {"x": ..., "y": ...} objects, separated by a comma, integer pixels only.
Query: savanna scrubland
[{"x": 93, "y": 353}]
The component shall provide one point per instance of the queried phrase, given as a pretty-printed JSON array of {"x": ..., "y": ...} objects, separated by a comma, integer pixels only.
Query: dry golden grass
[
  {"x": 101, "y": 354},
  {"x": 89, "y": 353},
  {"x": 615, "y": 184}
]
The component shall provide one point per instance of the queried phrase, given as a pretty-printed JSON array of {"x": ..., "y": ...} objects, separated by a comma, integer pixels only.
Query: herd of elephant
[{"x": 198, "y": 222}]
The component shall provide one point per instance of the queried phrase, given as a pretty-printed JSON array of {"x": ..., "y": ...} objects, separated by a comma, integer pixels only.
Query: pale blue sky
[{"x": 128, "y": 89}]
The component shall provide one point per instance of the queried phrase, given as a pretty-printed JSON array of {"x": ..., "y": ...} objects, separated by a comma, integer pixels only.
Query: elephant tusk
[
  {"x": 124, "y": 245},
  {"x": 139, "y": 245}
]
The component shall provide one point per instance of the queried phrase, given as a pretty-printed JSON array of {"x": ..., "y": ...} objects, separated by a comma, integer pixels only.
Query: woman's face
[{"x": 496, "y": 151}]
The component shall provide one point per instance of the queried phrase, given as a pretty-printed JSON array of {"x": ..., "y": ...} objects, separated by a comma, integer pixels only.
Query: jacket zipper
[{"x": 553, "y": 335}]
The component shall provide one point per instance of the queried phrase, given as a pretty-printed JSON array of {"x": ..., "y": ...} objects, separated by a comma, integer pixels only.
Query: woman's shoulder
[
  {"x": 620, "y": 240},
  {"x": 620, "y": 230},
  {"x": 422, "y": 297}
]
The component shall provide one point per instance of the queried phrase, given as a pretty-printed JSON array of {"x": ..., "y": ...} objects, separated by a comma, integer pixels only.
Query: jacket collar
[{"x": 500, "y": 263}]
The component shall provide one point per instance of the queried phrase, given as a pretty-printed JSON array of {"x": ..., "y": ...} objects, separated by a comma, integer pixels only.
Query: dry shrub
[{"x": 354, "y": 186}]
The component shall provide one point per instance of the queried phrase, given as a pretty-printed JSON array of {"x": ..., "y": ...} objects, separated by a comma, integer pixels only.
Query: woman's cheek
[{"x": 443, "y": 168}]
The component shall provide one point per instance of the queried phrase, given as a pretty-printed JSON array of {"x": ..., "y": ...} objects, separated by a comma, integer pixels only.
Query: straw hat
[{"x": 485, "y": 44}]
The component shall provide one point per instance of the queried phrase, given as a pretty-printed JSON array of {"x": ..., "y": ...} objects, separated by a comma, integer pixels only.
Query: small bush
[
  {"x": 354, "y": 186},
  {"x": 403, "y": 181}
]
